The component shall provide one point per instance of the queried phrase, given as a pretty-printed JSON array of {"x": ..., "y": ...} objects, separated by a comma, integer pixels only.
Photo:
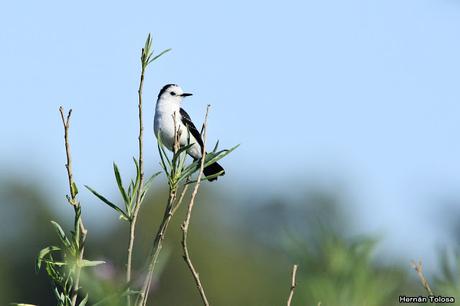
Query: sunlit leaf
[
  {"x": 159, "y": 55},
  {"x": 91, "y": 263},
  {"x": 120, "y": 183},
  {"x": 210, "y": 159},
  {"x": 74, "y": 189},
  {"x": 61, "y": 234},
  {"x": 215, "y": 147},
  {"x": 103, "y": 199},
  {"x": 84, "y": 301}
]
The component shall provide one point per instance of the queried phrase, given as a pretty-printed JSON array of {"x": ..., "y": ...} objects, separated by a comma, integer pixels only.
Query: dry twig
[
  {"x": 186, "y": 223},
  {"x": 74, "y": 202},
  {"x": 423, "y": 280},
  {"x": 293, "y": 284}
]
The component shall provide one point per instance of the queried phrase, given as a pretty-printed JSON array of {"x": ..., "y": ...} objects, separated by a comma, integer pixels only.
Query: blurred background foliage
[
  {"x": 244, "y": 250},
  {"x": 244, "y": 247}
]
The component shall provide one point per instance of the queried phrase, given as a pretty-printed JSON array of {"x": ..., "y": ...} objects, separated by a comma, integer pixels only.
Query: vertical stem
[
  {"x": 157, "y": 246},
  {"x": 132, "y": 225},
  {"x": 82, "y": 239},
  {"x": 186, "y": 223},
  {"x": 169, "y": 212},
  {"x": 293, "y": 284},
  {"x": 80, "y": 230}
]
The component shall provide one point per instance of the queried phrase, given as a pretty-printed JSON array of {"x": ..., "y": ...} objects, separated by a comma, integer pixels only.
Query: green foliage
[
  {"x": 447, "y": 282},
  {"x": 341, "y": 272},
  {"x": 123, "y": 214},
  {"x": 176, "y": 169},
  {"x": 128, "y": 194},
  {"x": 106, "y": 292},
  {"x": 147, "y": 53},
  {"x": 61, "y": 264},
  {"x": 230, "y": 259}
]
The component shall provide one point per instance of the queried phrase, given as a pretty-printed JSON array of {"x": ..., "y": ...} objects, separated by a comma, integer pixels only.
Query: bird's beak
[{"x": 186, "y": 94}]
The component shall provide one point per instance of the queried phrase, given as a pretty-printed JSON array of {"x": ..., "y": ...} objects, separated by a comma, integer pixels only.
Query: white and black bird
[{"x": 169, "y": 116}]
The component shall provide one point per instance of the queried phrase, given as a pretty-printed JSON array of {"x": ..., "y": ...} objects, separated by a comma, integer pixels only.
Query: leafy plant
[
  {"x": 63, "y": 263},
  {"x": 177, "y": 171},
  {"x": 128, "y": 194}
]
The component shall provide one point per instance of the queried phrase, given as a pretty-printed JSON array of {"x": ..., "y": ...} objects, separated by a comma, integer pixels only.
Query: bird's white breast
[{"x": 167, "y": 119}]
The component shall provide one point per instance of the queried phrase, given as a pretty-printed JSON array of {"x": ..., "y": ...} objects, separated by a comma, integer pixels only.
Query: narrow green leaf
[
  {"x": 215, "y": 147},
  {"x": 84, "y": 301},
  {"x": 182, "y": 159},
  {"x": 148, "y": 42},
  {"x": 158, "y": 56},
  {"x": 165, "y": 155},
  {"x": 42, "y": 254},
  {"x": 55, "y": 263},
  {"x": 91, "y": 263},
  {"x": 74, "y": 189},
  {"x": 130, "y": 189},
  {"x": 206, "y": 178},
  {"x": 150, "y": 180},
  {"x": 53, "y": 273},
  {"x": 120, "y": 184},
  {"x": 61, "y": 234},
  {"x": 135, "y": 186},
  {"x": 103, "y": 199},
  {"x": 210, "y": 159},
  {"x": 213, "y": 157},
  {"x": 163, "y": 164},
  {"x": 161, "y": 152},
  {"x": 136, "y": 163},
  {"x": 184, "y": 148}
]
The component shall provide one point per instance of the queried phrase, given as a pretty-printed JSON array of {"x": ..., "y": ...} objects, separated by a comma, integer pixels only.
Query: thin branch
[
  {"x": 186, "y": 223},
  {"x": 137, "y": 205},
  {"x": 293, "y": 285},
  {"x": 157, "y": 246},
  {"x": 159, "y": 237},
  {"x": 423, "y": 280},
  {"x": 80, "y": 228},
  {"x": 68, "y": 165},
  {"x": 181, "y": 198}
]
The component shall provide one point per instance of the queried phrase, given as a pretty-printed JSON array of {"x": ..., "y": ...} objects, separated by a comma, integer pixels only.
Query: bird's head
[{"x": 172, "y": 93}]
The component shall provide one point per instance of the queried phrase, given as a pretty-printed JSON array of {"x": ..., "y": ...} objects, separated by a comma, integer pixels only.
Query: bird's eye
[{"x": 173, "y": 93}]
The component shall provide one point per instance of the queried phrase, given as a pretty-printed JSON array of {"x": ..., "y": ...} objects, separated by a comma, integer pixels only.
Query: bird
[{"x": 170, "y": 116}]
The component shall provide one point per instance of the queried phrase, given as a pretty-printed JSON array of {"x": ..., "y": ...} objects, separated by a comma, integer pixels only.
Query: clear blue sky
[{"x": 361, "y": 92}]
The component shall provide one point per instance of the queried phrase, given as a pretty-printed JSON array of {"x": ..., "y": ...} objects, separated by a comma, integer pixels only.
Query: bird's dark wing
[{"x": 187, "y": 121}]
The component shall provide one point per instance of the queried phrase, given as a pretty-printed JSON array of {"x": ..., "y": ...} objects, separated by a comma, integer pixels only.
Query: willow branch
[
  {"x": 80, "y": 230},
  {"x": 159, "y": 237},
  {"x": 137, "y": 205},
  {"x": 293, "y": 284},
  {"x": 181, "y": 198},
  {"x": 186, "y": 223},
  {"x": 169, "y": 213}
]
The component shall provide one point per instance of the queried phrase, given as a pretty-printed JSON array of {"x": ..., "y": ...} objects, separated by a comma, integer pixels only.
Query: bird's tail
[{"x": 213, "y": 169}]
